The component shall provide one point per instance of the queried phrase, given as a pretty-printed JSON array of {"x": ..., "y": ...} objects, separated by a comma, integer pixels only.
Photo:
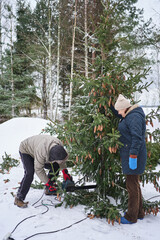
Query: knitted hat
[
  {"x": 57, "y": 153},
  {"x": 122, "y": 103}
]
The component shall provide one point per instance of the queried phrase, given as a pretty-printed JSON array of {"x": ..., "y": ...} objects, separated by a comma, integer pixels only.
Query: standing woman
[{"x": 133, "y": 154}]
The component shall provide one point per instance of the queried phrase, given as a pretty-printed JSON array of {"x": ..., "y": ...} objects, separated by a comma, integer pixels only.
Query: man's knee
[{"x": 29, "y": 176}]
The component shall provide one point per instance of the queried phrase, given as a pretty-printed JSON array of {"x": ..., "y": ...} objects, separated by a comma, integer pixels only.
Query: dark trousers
[
  {"x": 135, "y": 203},
  {"x": 28, "y": 164}
]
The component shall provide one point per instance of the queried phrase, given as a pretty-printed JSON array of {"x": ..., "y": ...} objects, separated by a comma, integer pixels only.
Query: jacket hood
[{"x": 135, "y": 109}]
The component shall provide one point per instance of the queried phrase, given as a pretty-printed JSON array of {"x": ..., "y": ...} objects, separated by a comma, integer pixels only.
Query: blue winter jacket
[{"x": 132, "y": 129}]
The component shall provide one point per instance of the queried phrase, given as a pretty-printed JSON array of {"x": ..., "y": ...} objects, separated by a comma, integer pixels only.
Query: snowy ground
[{"x": 12, "y": 133}]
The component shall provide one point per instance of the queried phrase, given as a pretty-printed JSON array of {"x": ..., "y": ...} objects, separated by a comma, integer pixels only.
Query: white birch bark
[
  {"x": 93, "y": 44},
  {"x": 72, "y": 58},
  {"x": 58, "y": 64},
  {"x": 50, "y": 68},
  {"x": 12, "y": 79},
  {"x": 86, "y": 40}
]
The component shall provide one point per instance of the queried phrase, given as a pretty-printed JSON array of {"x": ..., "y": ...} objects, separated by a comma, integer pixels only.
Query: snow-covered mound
[{"x": 13, "y": 131}]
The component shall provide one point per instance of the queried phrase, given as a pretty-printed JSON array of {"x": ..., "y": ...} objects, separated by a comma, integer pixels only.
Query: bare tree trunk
[
  {"x": 64, "y": 94},
  {"x": 86, "y": 40},
  {"x": 58, "y": 64},
  {"x": 93, "y": 45},
  {"x": 44, "y": 91},
  {"x": 72, "y": 58},
  {"x": 50, "y": 67},
  {"x": 12, "y": 79},
  {"x": 93, "y": 60}
]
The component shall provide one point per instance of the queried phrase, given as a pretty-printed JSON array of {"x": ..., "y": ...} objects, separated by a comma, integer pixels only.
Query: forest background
[{"x": 45, "y": 46}]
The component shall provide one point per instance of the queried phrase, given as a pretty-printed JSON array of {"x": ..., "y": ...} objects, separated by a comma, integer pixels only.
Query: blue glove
[{"x": 133, "y": 162}]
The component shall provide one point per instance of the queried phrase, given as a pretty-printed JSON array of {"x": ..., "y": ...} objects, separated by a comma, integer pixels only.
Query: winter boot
[
  {"x": 140, "y": 217},
  {"x": 20, "y": 203},
  {"x": 125, "y": 221}
]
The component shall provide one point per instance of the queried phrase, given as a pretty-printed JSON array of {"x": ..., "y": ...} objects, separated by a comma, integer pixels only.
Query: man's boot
[{"x": 20, "y": 203}]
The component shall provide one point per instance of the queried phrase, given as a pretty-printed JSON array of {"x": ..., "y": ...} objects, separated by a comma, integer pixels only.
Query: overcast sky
[{"x": 151, "y": 9}]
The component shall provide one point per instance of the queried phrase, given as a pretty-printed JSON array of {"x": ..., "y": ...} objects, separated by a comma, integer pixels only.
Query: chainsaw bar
[{"x": 75, "y": 188}]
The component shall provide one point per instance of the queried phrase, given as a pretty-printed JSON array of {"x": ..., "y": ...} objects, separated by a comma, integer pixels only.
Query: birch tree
[
  {"x": 72, "y": 58},
  {"x": 58, "y": 62},
  {"x": 1, "y": 35},
  {"x": 43, "y": 45},
  {"x": 44, "y": 90},
  {"x": 86, "y": 40},
  {"x": 11, "y": 51},
  {"x": 50, "y": 64},
  {"x": 9, "y": 9},
  {"x": 66, "y": 31}
]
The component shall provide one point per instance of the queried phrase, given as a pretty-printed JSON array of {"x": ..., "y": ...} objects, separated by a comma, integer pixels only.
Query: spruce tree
[
  {"x": 91, "y": 136},
  {"x": 17, "y": 84},
  {"x": 23, "y": 65}
]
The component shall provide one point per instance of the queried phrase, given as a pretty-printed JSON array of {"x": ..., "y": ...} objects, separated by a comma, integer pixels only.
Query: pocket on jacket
[{"x": 125, "y": 149}]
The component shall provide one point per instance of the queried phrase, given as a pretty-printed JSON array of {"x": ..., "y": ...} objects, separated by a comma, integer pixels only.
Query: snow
[
  {"x": 12, "y": 133},
  {"x": 16, "y": 130}
]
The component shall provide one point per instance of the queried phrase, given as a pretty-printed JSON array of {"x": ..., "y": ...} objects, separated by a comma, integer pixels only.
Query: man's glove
[
  {"x": 68, "y": 180},
  {"x": 51, "y": 186},
  {"x": 133, "y": 162},
  {"x": 66, "y": 175}
]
